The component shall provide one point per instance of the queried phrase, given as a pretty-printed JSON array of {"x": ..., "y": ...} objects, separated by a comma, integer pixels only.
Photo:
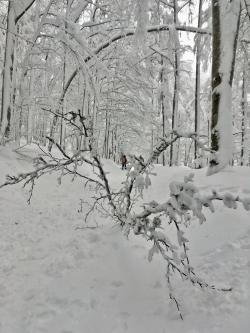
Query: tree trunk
[
  {"x": 216, "y": 77},
  {"x": 15, "y": 13},
  {"x": 226, "y": 17},
  {"x": 31, "y": 109},
  {"x": 63, "y": 105},
  {"x": 173, "y": 159},
  {"x": 162, "y": 106},
  {"x": 105, "y": 142},
  {"x": 243, "y": 117},
  {"x": 197, "y": 83},
  {"x": 7, "y": 88}
]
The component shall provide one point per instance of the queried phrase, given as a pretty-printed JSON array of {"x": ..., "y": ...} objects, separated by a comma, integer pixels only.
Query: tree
[
  {"x": 226, "y": 18},
  {"x": 101, "y": 35},
  {"x": 16, "y": 10},
  {"x": 197, "y": 81},
  {"x": 173, "y": 152}
]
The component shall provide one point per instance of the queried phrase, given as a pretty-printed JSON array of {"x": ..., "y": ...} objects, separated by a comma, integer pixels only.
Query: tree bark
[
  {"x": 162, "y": 106},
  {"x": 226, "y": 18},
  {"x": 173, "y": 152},
  {"x": 216, "y": 77},
  {"x": 7, "y": 89},
  {"x": 13, "y": 16},
  {"x": 197, "y": 83},
  {"x": 243, "y": 116},
  {"x": 62, "y": 127}
]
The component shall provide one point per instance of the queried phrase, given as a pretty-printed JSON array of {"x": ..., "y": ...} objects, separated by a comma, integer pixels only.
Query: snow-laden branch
[
  {"x": 127, "y": 33},
  {"x": 185, "y": 203},
  {"x": 163, "y": 144},
  {"x": 121, "y": 35}
]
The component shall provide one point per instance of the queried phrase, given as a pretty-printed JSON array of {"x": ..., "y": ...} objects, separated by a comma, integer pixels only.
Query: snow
[{"x": 59, "y": 274}]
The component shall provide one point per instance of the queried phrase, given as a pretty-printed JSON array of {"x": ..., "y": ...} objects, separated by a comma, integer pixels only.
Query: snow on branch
[{"x": 126, "y": 33}]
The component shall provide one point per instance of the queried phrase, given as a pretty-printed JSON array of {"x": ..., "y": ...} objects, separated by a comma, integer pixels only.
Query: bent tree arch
[{"x": 108, "y": 43}]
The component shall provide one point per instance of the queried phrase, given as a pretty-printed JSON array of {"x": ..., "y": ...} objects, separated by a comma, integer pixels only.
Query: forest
[
  {"x": 160, "y": 88},
  {"x": 136, "y": 69}
]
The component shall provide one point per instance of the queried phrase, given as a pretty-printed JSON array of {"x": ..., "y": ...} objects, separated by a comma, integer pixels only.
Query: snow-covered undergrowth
[{"x": 59, "y": 274}]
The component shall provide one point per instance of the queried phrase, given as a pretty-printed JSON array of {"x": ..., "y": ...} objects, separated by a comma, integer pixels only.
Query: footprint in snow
[
  {"x": 93, "y": 303},
  {"x": 46, "y": 315},
  {"x": 117, "y": 284},
  {"x": 113, "y": 295},
  {"x": 120, "y": 325},
  {"x": 58, "y": 302},
  {"x": 157, "y": 285},
  {"x": 125, "y": 314},
  {"x": 158, "y": 311},
  {"x": 138, "y": 247},
  {"x": 93, "y": 237},
  {"x": 115, "y": 245},
  {"x": 78, "y": 303}
]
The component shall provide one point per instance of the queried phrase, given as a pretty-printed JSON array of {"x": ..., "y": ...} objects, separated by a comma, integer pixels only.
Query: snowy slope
[{"x": 56, "y": 275}]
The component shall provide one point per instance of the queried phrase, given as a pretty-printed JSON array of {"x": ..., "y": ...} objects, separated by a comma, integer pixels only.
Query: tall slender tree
[{"x": 197, "y": 81}]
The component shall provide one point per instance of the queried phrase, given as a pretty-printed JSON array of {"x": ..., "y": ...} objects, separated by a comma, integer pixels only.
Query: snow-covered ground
[{"x": 58, "y": 276}]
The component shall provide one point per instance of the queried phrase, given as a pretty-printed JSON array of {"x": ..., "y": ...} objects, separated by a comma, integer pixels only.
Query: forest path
[{"x": 57, "y": 278}]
